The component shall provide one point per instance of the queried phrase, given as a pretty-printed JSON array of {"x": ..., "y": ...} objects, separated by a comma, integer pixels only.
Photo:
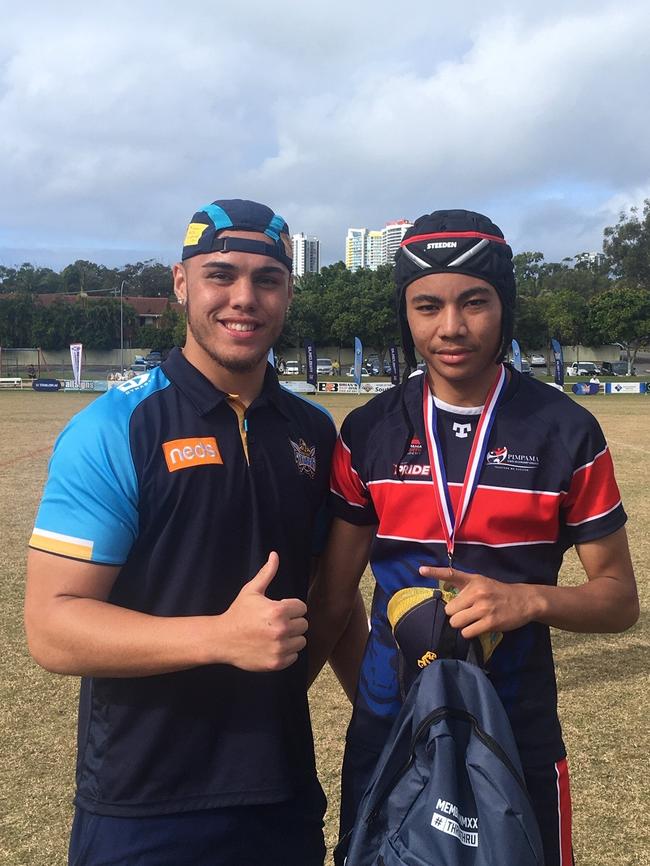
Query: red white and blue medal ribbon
[{"x": 449, "y": 521}]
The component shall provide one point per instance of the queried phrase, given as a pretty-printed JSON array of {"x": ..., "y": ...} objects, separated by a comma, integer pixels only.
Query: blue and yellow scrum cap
[{"x": 203, "y": 232}]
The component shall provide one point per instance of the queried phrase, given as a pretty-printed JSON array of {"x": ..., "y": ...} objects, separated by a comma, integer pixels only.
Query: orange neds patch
[{"x": 184, "y": 453}]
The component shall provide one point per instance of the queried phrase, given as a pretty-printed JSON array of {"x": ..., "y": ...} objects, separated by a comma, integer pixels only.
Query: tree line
[{"x": 586, "y": 299}]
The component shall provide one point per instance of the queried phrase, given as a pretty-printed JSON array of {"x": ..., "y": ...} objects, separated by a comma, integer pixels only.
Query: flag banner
[
  {"x": 271, "y": 357},
  {"x": 358, "y": 355},
  {"x": 394, "y": 365},
  {"x": 516, "y": 356},
  {"x": 75, "y": 357},
  {"x": 310, "y": 356},
  {"x": 559, "y": 363}
]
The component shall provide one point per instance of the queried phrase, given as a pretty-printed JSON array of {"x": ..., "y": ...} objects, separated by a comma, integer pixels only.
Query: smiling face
[
  {"x": 236, "y": 307},
  {"x": 455, "y": 321}
]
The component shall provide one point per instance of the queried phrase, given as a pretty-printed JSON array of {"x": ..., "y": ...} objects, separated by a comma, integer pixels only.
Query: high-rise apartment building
[
  {"x": 369, "y": 249},
  {"x": 355, "y": 249},
  {"x": 374, "y": 249},
  {"x": 306, "y": 254},
  {"x": 392, "y": 235}
]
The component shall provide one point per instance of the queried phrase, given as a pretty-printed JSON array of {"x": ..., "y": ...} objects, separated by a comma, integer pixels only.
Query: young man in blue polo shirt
[
  {"x": 475, "y": 475},
  {"x": 169, "y": 567}
]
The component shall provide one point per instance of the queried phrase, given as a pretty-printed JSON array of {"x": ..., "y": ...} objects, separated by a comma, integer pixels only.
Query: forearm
[
  {"x": 334, "y": 597},
  {"x": 72, "y": 628},
  {"x": 606, "y": 602},
  {"x": 600, "y": 605},
  {"x": 89, "y": 637},
  {"x": 327, "y": 624},
  {"x": 346, "y": 657}
]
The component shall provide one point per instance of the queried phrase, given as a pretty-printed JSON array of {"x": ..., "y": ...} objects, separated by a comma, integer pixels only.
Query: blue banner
[
  {"x": 516, "y": 356},
  {"x": 559, "y": 363},
  {"x": 585, "y": 389},
  {"x": 394, "y": 365},
  {"x": 358, "y": 355},
  {"x": 310, "y": 366},
  {"x": 46, "y": 385}
]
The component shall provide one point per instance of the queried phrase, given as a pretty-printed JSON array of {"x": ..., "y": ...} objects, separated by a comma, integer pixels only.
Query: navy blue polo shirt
[{"x": 161, "y": 477}]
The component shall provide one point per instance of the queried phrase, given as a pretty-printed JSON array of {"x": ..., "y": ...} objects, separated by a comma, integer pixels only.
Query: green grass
[{"x": 603, "y": 679}]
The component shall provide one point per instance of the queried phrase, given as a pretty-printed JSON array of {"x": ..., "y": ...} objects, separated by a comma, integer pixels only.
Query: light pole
[{"x": 122, "y": 326}]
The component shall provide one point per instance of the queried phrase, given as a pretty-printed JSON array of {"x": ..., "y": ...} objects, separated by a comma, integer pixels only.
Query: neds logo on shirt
[{"x": 184, "y": 453}]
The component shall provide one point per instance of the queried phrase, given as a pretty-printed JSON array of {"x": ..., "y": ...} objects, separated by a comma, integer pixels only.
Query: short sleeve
[
  {"x": 89, "y": 509},
  {"x": 592, "y": 507},
  {"x": 350, "y": 499}
]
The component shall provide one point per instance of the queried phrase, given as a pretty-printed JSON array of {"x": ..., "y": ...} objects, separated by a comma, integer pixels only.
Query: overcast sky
[{"x": 119, "y": 120}]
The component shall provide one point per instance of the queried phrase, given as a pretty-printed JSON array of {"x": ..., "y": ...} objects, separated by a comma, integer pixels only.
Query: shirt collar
[
  {"x": 203, "y": 395},
  {"x": 414, "y": 385}
]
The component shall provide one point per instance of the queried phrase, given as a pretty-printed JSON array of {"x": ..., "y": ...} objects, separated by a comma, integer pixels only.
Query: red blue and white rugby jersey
[{"x": 546, "y": 483}]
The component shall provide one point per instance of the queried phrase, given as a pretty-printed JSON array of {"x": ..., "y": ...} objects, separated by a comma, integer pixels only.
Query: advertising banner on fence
[
  {"x": 93, "y": 384},
  {"x": 298, "y": 387},
  {"x": 625, "y": 387},
  {"x": 75, "y": 357},
  {"x": 351, "y": 388},
  {"x": 46, "y": 385}
]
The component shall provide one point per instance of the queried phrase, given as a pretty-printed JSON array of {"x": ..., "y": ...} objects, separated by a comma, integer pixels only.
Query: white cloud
[{"x": 119, "y": 122}]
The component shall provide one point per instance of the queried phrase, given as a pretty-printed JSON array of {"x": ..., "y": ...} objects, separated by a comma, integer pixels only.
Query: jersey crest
[{"x": 305, "y": 457}]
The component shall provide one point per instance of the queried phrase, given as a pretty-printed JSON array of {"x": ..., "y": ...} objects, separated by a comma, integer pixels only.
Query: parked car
[
  {"x": 537, "y": 361},
  {"x": 615, "y": 368},
  {"x": 583, "y": 368},
  {"x": 324, "y": 366},
  {"x": 525, "y": 366},
  {"x": 374, "y": 368},
  {"x": 153, "y": 359},
  {"x": 350, "y": 372},
  {"x": 292, "y": 368},
  {"x": 138, "y": 366}
]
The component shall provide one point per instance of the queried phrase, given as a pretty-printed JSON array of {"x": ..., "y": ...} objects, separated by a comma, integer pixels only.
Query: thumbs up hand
[{"x": 264, "y": 634}]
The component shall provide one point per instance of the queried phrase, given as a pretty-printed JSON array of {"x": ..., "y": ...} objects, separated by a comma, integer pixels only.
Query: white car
[
  {"x": 350, "y": 372},
  {"x": 583, "y": 368},
  {"x": 324, "y": 366},
  {"x": 537, "y": 361},
  {"x": 292, "y": 368}
]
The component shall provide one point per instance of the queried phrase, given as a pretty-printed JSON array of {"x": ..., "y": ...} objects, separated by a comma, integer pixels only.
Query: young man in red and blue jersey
[{"x": 478, "y": 476}]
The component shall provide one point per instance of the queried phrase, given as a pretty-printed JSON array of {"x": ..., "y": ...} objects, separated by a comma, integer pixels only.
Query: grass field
[{"x": 603, "y": 679}]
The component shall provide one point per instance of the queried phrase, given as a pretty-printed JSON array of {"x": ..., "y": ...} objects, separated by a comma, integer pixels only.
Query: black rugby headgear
[{"x": 460, "y": 242}]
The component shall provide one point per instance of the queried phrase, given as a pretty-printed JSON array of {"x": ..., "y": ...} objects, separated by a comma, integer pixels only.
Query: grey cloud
[{"x": 118, "y": 122}]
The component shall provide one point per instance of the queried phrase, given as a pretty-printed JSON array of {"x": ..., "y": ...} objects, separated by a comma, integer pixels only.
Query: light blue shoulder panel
[{"x": 89, "y": 508}]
